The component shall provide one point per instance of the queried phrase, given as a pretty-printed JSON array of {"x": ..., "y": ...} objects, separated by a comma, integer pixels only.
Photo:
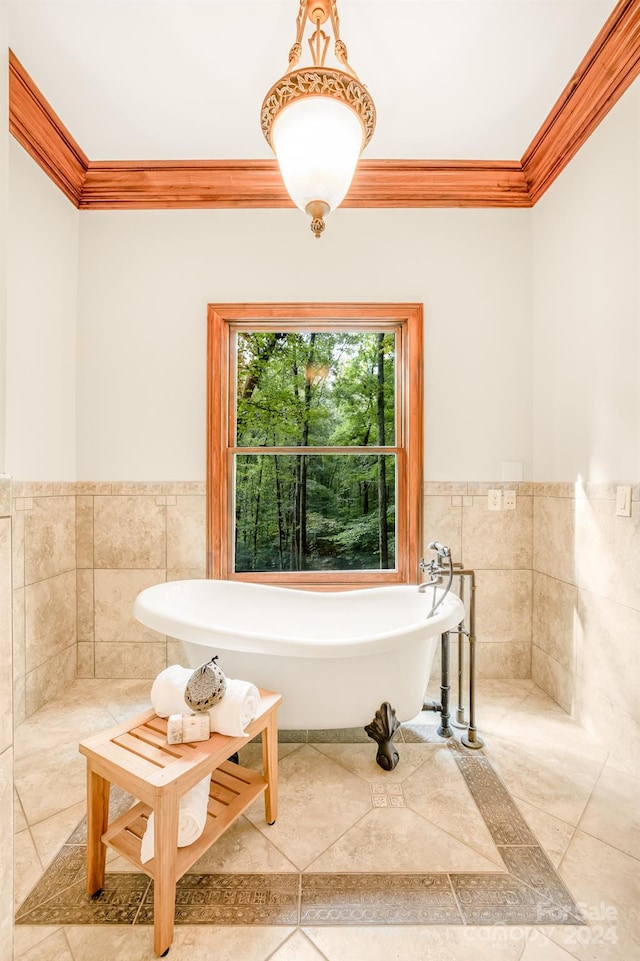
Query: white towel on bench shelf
[
  {"x": 167, "y": 691},
  {"x": 192, "y": 817},
  {"x": 237, "y": 708}
]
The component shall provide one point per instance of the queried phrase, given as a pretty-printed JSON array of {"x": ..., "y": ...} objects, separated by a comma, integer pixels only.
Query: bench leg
[
  {"x": 270, "y": 767},
  {"x": 164, "y": 871},
  {"x": 97, "y": 822}
]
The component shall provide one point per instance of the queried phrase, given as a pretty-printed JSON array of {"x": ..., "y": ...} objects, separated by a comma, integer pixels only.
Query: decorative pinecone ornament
[{"x": 206, "y": 685}]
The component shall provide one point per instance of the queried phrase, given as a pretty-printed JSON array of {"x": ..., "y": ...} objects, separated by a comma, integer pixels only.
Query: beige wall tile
[
  {"x": 19, "y": 650},
  {"x": 503, "y": 606},
  {"x": 185, "y": 487},
  {"x": 64, "y": 488},
  {"x": 6, "y": 640},
  {"x": 554, "y": 612},
  {"x": 19, "y": 700},
  {"x": 147, "y": 488},
  {"x": 115, "y": 592},
  {"x": 186, "y": 574},
  {"x": 554, "y": 537},
  {"x": 86, "y": 659},
  {"x": 50, "y": 679},
  {"x": 49, "y": 538},
  {"x": 91, "y": 488},
  {"x": 522, "y": 488},
  {"x": 443, "y": 523},
  {"x": 186, "y": 533},
  {"x": 503, "y": 660},
  {"x": 445, "y": 488},
  {"x": 84, "y": 605},
  {"x": 5, "y": 496},
  {"x": 607, "y": 660},
  {"x": 602, "y": 718},
  {"x": 130, "y": 660},
  {"x": 608, "y": 550},
  {"x": 34, "y": 489},
  {"x": 6, "y": 853},
  {"x": 84, "y": 531},
  {"x": 129, "y": 532},
  {"x": 175, "y": 652},
  {"x": 50, "y": 618},
  {"x": 554, "y": 678},
  {"x": 17, "y": 548},
  {"x": 497, "y": 539},
  {"x": 597, "y": 490},
  {"x": 556, "y": 489}
]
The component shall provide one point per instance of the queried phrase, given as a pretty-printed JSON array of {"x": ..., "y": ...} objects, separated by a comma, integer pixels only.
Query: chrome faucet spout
[{"x": 432, "y": 583}]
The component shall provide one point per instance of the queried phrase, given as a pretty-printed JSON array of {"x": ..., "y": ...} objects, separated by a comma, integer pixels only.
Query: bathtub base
[{"x": 382, "y": 729}]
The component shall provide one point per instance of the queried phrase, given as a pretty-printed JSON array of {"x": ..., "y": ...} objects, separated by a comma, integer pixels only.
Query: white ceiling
[{"x": 184, "y": 79}]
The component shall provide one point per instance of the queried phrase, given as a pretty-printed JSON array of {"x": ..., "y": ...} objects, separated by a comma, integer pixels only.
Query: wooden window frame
[{"x": 403, "y": 319}]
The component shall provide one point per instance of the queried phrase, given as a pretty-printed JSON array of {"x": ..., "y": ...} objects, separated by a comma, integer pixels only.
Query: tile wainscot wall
[
  {"x": 6, "y": 728},
  {"x": 557, "y": 594}
]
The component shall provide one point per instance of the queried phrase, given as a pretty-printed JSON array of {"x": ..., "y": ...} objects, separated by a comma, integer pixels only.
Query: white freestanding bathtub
[{"x": 335, "y": 656}]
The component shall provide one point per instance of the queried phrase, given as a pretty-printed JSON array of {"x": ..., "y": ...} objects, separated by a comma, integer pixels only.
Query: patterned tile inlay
[
  {"x": 377, "y": 899},
  {"x": 387, "y": 795},
  {"x": 532, "y": 866},
  {"x": 232, "y": 899},
  {"x": 118, "y": 902},
  {"x": 502, "y": 817},
  {"x": 528, "y": 891}
]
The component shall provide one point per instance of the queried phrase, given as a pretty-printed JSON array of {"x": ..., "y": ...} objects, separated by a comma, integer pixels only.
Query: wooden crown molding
[
  {"x": 608, "y": 68},
  {"x": 610, "y": 65},
  {"x": 37, "y": 127},
  {"x": 257, "y": 183}
]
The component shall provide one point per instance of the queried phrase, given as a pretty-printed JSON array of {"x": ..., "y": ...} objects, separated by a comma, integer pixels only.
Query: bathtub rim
[{"x": 149, "y": 612}]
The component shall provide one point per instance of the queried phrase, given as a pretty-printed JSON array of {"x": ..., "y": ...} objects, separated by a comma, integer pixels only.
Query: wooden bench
[{"x": 135, "y": 755}]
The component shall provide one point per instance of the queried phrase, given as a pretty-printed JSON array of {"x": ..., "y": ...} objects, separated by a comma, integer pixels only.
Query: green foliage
[{"x": 314, "y": 510}]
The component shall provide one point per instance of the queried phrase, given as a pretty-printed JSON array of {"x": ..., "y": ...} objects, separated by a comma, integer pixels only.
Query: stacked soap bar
[{"x": 184, "y": 728}]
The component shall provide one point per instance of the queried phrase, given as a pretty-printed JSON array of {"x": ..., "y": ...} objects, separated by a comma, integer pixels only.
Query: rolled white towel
[
  {"x": 167, "y": 691},
  {"x": 192, "y": 817},
  {"x": 236, "y": 709}
]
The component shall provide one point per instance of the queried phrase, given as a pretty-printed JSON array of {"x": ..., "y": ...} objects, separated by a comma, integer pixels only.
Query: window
[{"x": 315, "y": 443}]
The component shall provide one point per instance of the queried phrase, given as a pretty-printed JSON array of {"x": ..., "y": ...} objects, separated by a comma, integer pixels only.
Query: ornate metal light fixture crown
[{"x": 318, "y": 119}]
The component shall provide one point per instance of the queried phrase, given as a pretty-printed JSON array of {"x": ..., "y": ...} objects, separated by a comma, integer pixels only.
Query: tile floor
[{"x": 340, "y": 815}]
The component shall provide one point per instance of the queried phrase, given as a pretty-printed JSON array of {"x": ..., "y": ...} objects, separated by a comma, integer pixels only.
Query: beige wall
[
  {"x": 145, "y": 279},
  {"x": 498, "y": 546},
  {"x": 586, "y": 309},
  {"x": 557, "y": 589},
  {"x": 41, "y": 326},
  {"x": 6, "y": 729},
  {"x": 586, "y": 611},
  {"x": 130, "y": 536},
  {"x": 133, "y": 535},
  {"x": 44, "y": 592},
  {"x": 586, "y": 325},
  {"x": 6, "y": 653}
]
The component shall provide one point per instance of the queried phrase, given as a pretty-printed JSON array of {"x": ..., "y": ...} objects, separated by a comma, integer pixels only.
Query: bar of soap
[{"x": 185, "y": 728}]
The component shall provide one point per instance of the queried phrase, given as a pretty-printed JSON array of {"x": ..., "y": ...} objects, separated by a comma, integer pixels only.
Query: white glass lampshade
[{"x": 317, "y": 141}]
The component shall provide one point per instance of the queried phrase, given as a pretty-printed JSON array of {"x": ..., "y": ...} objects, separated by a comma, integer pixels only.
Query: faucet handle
[
  {"x": 431, "y": 567},
  {"x": 441, "y": 549}
]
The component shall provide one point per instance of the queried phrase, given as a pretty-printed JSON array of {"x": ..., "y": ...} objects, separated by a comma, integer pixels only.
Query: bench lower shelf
[{"x": 233, "y": 788}]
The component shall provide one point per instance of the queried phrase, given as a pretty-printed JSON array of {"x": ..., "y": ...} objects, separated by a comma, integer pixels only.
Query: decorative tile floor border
[{"x": 529, "y": 891}]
